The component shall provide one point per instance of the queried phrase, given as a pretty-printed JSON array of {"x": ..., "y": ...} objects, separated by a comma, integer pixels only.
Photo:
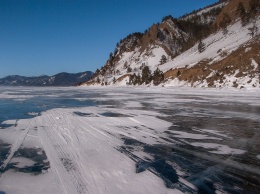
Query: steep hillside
[
  {"x": 217, "y": 46},
  {"x": 61, "y": 79}
]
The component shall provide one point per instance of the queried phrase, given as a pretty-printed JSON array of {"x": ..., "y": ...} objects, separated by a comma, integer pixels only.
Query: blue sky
[{"x": 51, "y": 36}]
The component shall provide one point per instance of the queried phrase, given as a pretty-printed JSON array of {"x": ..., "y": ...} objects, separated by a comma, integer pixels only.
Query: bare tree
[{"x": 201, "y": 47}]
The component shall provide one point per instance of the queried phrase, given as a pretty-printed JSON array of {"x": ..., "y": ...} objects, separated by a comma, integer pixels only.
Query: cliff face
[{"x": 210, "y": 47}]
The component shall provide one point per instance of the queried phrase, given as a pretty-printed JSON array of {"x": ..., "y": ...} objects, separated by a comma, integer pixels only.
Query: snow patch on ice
[
  {"x": 211, "y": 131},
  {"x": 22, "y": 162},
  {"x": 133, "y": 104}
]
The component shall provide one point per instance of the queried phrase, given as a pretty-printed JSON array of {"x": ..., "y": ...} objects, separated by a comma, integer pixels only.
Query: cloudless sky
[{"x": 52, "y": 36}]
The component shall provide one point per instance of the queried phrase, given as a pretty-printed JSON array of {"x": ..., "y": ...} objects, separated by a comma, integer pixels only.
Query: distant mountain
[
  {"x": 60, "y": 79},
  {"x": 216, "y": 46}
]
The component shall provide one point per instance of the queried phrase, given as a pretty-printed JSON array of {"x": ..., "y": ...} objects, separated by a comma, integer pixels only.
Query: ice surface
[{"x": 131, "y": 140}]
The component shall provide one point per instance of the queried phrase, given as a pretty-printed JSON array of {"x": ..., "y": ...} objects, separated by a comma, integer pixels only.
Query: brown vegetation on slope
[
  {"x": 239, "y": 60},
  {"x": 235, "y": 9}
]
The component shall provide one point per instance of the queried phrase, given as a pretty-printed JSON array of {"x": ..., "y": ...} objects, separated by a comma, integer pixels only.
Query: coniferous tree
[
  {"x": 158, "y": 77},
  {"x": 129, "y": 69},
  {"x": 98, "y": 80},
  {"x": 97, "y": 72},
  {"x": 224, "y": 31},
  {"x": 254, "y": 6},
  {"x": 163, "y": 59},
  {"x": 134, "y": 79},
  {"x": 242, "y": 13},
  {"x": 114, "y": 80},
  {"x": 146, "y": 75},
  {"x": 125, "y": 65},
  {"x": 111, "y": 59},
  {"x": 138, "y": 79},
  {"x": 240, "y": 9},
  {"x": 142, "y": 66},
  {"x": 131, "y": 79},
  {"x": 178, "y": 73}
]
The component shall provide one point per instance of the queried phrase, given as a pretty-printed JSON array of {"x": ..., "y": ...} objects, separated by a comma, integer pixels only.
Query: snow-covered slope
[
  {"x": 214, "y": 45},
  {"x": 218, "y": 48},
  {"x": 195, "y": 50}
]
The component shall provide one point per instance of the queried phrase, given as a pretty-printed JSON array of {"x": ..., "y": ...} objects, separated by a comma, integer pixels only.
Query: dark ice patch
[
  {"x": 113, "y": 114},
  {"x": 3, "y": 126},
  {"x": 82, "y": 114},
  {"x": 158, "y": 165},
  {"x": 35, "y": 154},
  {"x": 161, "y": 168}
]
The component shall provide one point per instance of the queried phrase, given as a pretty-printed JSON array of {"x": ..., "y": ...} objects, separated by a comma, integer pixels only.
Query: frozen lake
[{"x": 129, "y": 140}]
